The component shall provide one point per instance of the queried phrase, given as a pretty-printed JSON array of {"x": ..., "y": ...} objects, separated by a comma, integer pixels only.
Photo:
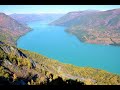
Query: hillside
[
  {"x": 72, "y": 18},
  {"x": 98, "y": 27},
  {"x": 21, "y": 67},
  {"x": 44, "y": 18},
  {"x": 10, "y": 29}
]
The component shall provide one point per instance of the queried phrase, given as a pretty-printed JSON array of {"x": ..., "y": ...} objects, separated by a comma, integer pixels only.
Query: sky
[{"x": 36, "y": 9}]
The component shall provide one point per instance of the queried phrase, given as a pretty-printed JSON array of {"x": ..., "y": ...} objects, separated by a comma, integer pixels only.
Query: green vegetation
[
  {"x": 104, "y": 15},
  {"x": 114, "y": 21},
  {"x": 102, "y": 28},
  {"x": 3, "y": 73},
  {"x": 95, "y": 76},
  {"x": 48, "y": 69},
  {"x": 22, "y": 67},
  {"x": 10, "y": 29},
  {"x": 9, "y": 37},
  {"x": 93, "y": 27}
]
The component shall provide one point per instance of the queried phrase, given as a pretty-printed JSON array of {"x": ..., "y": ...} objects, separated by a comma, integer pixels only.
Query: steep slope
[
  {"x": 10, "y": 29},
  {"x": 24, "y": 18},
  {"x": 73, "y": 18},
  {"x": 102, "y": 27},
  {"x": 21, "y": 67}
]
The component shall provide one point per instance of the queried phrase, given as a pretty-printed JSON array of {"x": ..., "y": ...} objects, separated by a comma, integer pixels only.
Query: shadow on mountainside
[
  {"x": 58, "y": 82},
  {"x": 4, "y": 81}
]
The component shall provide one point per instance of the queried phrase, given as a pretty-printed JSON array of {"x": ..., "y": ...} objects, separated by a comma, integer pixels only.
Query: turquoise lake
[{"x": 55, "y": 43}]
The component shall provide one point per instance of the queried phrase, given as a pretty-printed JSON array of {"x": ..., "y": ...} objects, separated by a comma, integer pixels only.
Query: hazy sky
[{"x": 9, "y": 9}]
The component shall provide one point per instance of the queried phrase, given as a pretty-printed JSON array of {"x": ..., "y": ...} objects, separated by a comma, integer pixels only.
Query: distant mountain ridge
[
  {"x": 68, "y": 19},
  {"x": 22, "y": 67},
  {"x": 24, "y": 18},
  {"x": 98, "y": 27}
]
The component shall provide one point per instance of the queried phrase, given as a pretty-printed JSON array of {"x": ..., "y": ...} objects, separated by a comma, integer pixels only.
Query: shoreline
[
  {"x": 21, "y": 36},
  {"x": 83, "y": 41},
  {"x": 58, "y": 60}
]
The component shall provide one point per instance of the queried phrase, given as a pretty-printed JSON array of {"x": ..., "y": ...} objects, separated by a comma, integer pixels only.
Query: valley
[{"x": 51, "y": 56}]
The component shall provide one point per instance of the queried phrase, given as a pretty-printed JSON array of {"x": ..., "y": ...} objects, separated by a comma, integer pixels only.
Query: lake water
[{"x": 54, "y": 42}]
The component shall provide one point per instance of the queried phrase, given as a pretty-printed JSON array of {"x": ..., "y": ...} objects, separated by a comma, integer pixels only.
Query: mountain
[
  {"x": 98, "y": 27},
  {"x": 24, "y": 18},
  {"x": 10, "y": 29},
  {"x": 22, "y": 67},
  {"x": 71, "y": 18}
]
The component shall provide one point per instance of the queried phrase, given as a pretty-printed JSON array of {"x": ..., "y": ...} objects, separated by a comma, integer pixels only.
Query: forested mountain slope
[
  {"x": 22, "y": 67},
  {"x": 99, "y": 27},
  {"x": 10, "y": 29}
]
